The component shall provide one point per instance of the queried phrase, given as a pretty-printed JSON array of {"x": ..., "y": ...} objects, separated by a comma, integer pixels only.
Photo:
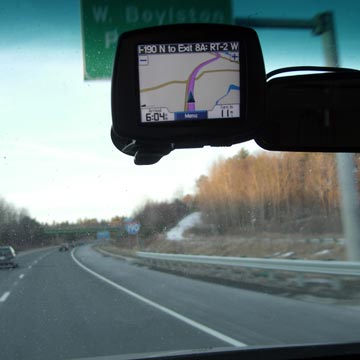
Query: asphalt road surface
[{"x": 62, "y": 305}]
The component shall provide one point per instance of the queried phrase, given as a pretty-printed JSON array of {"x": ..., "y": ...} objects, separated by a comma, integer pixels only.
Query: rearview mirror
[{"x": 319, "y": 112}]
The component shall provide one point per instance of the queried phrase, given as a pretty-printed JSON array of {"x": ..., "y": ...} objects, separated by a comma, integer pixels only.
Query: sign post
[
  {"x": 103, "y": 21},
  {"x": 132, "y": 227}
]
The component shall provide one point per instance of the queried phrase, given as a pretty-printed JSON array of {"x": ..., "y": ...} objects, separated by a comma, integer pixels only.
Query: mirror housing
[{"x": 318, "y": 112}]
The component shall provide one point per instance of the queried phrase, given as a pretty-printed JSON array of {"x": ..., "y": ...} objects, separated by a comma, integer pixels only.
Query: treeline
[
  {"x": 157, "y": 217},
  {"x": 87, "y": 223},
  {"x": 261, "y": 192},
  {"x": 154, "y": 218},
  {"x": 84, "y": 229},
  {"x": 18, "y": 229},
  {"x": 287, "y": 192}
]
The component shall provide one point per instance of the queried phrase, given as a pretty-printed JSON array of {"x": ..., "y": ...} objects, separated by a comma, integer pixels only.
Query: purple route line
[{"x": 191, "y": 105}]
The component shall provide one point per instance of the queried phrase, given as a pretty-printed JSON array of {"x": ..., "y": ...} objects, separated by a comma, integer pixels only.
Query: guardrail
[{"x": 304, "y": 266}]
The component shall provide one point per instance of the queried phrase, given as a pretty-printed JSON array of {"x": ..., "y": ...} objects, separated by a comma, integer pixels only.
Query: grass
[{"x": 261, "y": 245}]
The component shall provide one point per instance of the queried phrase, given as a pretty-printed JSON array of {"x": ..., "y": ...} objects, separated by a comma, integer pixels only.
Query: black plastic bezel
[{"x": 126, "y": 96}]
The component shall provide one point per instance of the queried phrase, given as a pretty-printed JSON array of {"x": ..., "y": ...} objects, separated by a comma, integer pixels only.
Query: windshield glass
[
  {"x": 99, "y": 238},
  {"x": 5, "y": 251}
]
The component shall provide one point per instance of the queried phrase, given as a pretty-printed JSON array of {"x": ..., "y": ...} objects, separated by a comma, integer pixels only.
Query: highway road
[{"x": 62, "y": 305}]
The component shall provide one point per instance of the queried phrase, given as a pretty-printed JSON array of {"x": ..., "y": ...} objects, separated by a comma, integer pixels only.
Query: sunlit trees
[{"x": 288, "y": 191}]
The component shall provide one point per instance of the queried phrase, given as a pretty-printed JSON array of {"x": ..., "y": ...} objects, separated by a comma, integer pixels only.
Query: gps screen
[{"x": 189, "y": 81}]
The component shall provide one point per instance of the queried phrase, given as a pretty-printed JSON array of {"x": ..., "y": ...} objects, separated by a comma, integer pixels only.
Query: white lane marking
[
  {"x": 5, "y": 296},
  {"x": 39, "y": 259},
  {"x": 21, "y": 276},
  {"x": 164, "y": 309}
]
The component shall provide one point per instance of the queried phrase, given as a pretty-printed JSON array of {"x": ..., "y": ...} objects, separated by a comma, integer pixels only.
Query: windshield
[
  {"x": 99, "y": 269},
  {"x": 5, "y": 251}
]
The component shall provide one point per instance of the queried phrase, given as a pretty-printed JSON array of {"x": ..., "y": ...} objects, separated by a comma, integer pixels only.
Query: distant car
[
  {"x": 7, "y": 257},
  {"x": 64, "y": 247}
]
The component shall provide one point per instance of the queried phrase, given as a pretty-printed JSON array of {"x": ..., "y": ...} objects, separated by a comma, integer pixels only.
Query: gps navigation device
[{"x": 186, "y": 86}]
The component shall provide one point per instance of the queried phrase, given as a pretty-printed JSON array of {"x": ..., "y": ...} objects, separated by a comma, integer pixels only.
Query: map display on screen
[{"x": 189, "y": 81}]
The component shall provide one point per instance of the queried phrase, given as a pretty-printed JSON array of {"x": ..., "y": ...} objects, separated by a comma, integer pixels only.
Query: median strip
[{"x": 164, "y": 309}]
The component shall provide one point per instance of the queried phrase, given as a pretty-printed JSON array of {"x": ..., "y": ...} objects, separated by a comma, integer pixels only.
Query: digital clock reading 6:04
[{"x": 156, "y": 116}]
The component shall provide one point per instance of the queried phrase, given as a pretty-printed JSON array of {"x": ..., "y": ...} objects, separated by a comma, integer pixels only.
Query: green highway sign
[
  {"x": 79, "y": 230},
  {"x": 102, "y": 21}
]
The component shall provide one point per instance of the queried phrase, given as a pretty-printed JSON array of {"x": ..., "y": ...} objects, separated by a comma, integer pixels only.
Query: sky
[{"x": 56, "y": 156}]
